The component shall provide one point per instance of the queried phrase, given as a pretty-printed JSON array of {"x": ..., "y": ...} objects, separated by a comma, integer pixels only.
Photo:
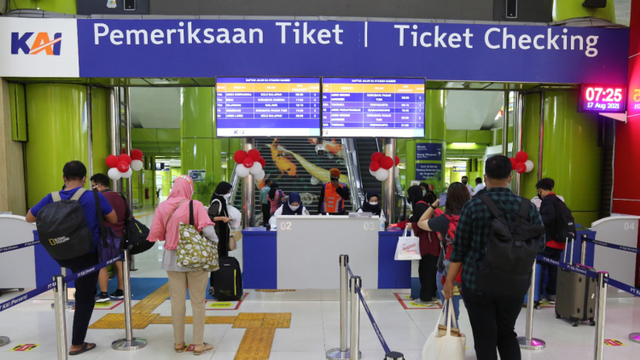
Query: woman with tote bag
[{"x": 166, "y": 222}]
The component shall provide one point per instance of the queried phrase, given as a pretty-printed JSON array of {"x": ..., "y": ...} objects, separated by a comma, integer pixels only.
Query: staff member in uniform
[
  {"x": 293, "y": 206},
  {"x": 333, "y": 195}
]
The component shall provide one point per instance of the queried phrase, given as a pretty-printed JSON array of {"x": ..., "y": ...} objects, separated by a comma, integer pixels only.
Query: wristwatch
[{"x": 434, "y": 207}]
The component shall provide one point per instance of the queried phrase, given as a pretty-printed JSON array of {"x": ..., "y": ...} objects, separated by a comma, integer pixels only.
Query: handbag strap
[
  {"x": 173, "y": 212},
  {"x": 191, "y": 222}
]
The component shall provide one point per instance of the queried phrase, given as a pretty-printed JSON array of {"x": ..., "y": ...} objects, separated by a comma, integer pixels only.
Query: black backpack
[
  {"x": 135, "y": 233},
  {"x": 63, "y": 229},
  {"x": 505, "y": 269},
  {"x": 565, "y": 224}
]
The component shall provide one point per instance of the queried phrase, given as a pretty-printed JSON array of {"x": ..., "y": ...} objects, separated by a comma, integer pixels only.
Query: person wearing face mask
[
  {"x": 293, "y": 206},
  {"x": 465, "y": 181},
  {"x": 220, "y": 216},
  {"x": 371, "y": 204}
]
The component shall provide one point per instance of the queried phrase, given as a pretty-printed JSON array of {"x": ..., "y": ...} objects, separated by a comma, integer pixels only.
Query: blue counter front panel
[{"x": 392, "y": 274}]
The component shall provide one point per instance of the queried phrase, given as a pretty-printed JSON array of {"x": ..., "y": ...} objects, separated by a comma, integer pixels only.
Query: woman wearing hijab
[
  {"x": 371, "y": 204},
  {"x": 429, "y": 243},
  {"x": 220, "y": 216},
  {"x": 293, "y": 206},
  {"x": 164, "y": 227},
  {"x": 274, "y": 198}
]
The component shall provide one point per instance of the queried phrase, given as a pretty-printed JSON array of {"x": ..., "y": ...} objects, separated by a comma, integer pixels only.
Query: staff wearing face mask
[
  {"x": 293, "y": 206},
  {"x": 371, "y": 204},
  {"x": 220, "y": 216}
]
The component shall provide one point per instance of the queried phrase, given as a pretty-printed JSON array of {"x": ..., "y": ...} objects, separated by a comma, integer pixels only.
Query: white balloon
[
  {"x": 136, "y": 165},
  {"x": 114, "y": 174},
  {"x": 382, "y": 174},
  {"x": 256, "y": 168},
  {"x": 127, "y": 174},
  {"x": 373, "y": 173},
  {"x": 259, "y": 176},
  {"x": 242, "y": 170},
  {"x": 529, "y": 165}
]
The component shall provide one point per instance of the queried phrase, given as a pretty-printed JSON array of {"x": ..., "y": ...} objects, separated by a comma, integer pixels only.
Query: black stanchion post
[
  {"x": 356, "y": 283},
  {"x": 128, "y": 343},
  {"x": 59, "y": 301},
  {"x": 4, "y": 340},
  {"x": 394, "y": 355},
  {"x": 343, "y": 351}
]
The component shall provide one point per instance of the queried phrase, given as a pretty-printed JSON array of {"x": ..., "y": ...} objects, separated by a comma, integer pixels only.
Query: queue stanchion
[
  {"x": 356, "y": 283},
  {"x": 343, "y": 351},
  {"x": 70, "y": 304},
  {"x": 601, "y": 310},
  {"x": 635, "y": 337},
  {"x": 59, "y": 301},
  {"x": 129, "y": 342},
  {"x": 528, "y": 342}
]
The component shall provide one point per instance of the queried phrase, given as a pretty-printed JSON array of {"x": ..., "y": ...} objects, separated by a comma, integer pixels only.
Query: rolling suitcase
[
  {"x": 536, "y": 297},
  {"x": 575, "y": 294},
  {"x": 227, "y": 282}
]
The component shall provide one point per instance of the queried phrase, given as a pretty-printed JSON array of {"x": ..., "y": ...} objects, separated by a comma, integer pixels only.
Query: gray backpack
[{"x": 63, "y": 229}]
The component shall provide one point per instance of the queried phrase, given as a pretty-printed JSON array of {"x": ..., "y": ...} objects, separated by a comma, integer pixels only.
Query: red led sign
[{"x": 603, "y": 98}]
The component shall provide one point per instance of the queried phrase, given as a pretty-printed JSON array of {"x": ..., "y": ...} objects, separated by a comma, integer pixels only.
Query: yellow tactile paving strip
[{"x": 256, "y": 342}]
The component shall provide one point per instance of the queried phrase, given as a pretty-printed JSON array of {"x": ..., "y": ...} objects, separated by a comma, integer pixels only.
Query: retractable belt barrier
[
  {"x": 610, "y": 245},
  {"x": 18, "y": 246}
]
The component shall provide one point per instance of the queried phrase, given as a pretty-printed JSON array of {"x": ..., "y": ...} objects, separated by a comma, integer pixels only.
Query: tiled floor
[{"x": 314, "y": 327}]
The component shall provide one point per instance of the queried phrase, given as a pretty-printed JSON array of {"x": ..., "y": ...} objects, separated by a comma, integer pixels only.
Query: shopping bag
[
  {"x": 447, "y": 346},
  {"x": 408, "y": 247},
  {"x": 194, "y": 251},
  {"x": 235, "y": 217}
]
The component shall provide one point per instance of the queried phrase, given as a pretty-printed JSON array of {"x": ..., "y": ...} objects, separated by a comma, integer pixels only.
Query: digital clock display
[{"x": 603, "y": 98}]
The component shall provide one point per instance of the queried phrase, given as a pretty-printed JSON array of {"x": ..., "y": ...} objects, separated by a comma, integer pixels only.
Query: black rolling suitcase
[
  {"x": 227, "y": 282},
  {"x": 575, "y": 294}
]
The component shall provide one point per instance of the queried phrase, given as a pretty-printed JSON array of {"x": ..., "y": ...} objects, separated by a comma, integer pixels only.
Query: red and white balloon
[
  {"x": 381, "y": 165},
  {"x": 249, "y": 163},
  {"x": 122, "y": 166},
  {"x": 521, "y": 163}
]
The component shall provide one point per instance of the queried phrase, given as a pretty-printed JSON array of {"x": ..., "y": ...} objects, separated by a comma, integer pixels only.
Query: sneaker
[
  {"x": 551, "y": 298},
  {"x": 102, "y": 297},
  {"x": 118, "y": 295}
]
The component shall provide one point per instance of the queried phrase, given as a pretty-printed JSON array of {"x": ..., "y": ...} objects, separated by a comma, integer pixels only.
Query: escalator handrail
[{"x": 355, "y": 179}]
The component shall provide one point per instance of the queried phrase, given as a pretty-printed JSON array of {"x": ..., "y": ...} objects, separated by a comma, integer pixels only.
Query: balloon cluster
[
  {"x": 121, "y": 166},
  {"x": 521, "y": 162},
  {"x": 249, "y": 163},
  {"x": 381, "y": 165}
]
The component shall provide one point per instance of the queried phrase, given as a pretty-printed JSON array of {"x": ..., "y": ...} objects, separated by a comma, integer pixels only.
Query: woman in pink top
[
  {"x": 275, "y": 198},
  {"x": 168, "y": 216}
]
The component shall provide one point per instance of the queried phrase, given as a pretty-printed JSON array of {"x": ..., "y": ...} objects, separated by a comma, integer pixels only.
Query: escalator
[{"x": 365, "y": 147}]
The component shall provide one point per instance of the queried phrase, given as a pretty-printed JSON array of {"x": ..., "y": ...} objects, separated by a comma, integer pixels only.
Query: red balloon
[
  {"x": 397, "y": 160},
  {"x": 254, "y": 154},
  {"x": 374, "y": 166},
  {"x": 262, "y": 162},
  {"x": 513, "y": 163},
  {"x": 521, "y": 168},
  {"x": 136, "y": 154},
  {"x": 386, "y": 162},
  {"x": 521, "y": 157},
  {"x": 123, "y": 167},
  {"x": 126, "y": 158},
  {"x": 112, "y": 161},
  {"x": 239, "y": 156},
  {"x": 248, "y": 162},
  {"x": 377, "y": 156}
]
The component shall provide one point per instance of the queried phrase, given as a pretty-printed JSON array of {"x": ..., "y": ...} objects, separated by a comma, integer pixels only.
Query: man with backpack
[
  {"x": 101, "y": 183},
  {"x": 498, "y": 237},
  {"x": 552, "y": 210},
  {"x": 79, "y": 251}
]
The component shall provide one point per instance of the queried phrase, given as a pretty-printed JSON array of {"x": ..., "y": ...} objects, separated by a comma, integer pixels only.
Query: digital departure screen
[
  {"x": 268, "y": 107},
  {"x": 603, "y": 98},
  {"x": 373, "y": 107}
]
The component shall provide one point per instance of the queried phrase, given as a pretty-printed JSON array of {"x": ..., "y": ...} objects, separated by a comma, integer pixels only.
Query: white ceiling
[
  {"x": 155, "y": 108},
  {"x": 472, "y": 110}
]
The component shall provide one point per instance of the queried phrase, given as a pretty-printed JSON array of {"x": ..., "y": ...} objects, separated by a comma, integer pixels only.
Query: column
[{"x": 12, "y": 186}]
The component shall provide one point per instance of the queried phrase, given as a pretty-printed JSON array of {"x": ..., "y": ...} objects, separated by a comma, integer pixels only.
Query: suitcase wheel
[
  {"x": 592, "y": 322},
  {"x": 558, "y": 316},
  {"x": 537, "y": 305},
  {"x": 575, "y": 323}
]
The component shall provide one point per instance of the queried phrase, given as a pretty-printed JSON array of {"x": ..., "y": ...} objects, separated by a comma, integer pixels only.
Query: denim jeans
[{"x": 455, "y": 298}]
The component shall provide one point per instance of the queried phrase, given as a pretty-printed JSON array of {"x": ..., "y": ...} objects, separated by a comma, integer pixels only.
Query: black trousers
[
  {"x": 85, "y": 295},
  {"x": 266, "y": 214},
  {"x": 549, "y": 269},
  {"x": 427, "y": 272},
  {"x": 493, "y": 319}
]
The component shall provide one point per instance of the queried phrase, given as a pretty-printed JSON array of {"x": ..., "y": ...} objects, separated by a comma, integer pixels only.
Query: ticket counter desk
[{"x": 304, "y": 254}]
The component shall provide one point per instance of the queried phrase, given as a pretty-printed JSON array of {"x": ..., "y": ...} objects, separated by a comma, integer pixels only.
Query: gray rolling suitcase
[{"x": 575, "y": 294}]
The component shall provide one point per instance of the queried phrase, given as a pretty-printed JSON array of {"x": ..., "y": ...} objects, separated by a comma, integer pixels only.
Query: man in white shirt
[
  {"x": 479, "y": 186},
  {"x": 465, "y": 181}
]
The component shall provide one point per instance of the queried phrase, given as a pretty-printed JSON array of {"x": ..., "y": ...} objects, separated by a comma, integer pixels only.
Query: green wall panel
[
  {"x": 57, "y": 134},
  {"x": 100, "y": 112},
  {"x": 17, "y": 101},
  {"x": 59, "y": 6},
  {"x": 197, "y": 112},
  {"x": 571, "y": 155},
  {"x": 569, "y": 9},
  {"x": 531, "y": 143}
]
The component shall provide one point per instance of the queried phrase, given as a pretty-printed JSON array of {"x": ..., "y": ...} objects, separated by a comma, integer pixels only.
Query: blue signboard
[
  {"x": 425, "y": 171},
  {"x": 460, "y": 169},
  {"x": 429, "y": 151},
  {"x": 290, "y": 48}
]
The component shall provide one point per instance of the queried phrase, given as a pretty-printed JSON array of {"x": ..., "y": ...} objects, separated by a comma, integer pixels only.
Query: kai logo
[{"x": 41, "y": 42}]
